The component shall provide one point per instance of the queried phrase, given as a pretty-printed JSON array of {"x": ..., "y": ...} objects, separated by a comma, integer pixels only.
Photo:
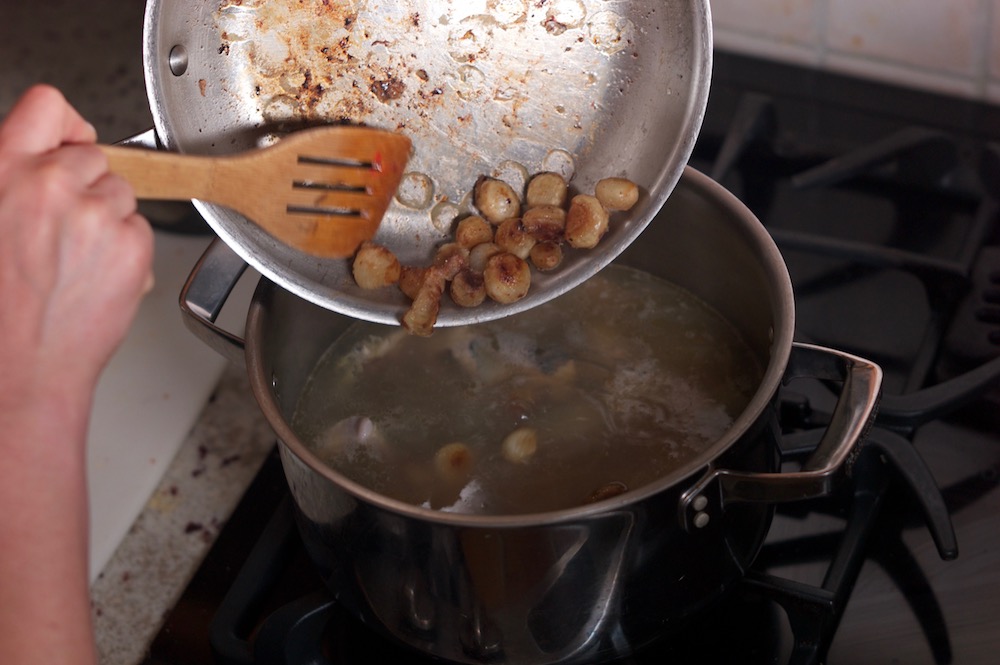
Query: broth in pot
[{"x": 611, "y": 386}]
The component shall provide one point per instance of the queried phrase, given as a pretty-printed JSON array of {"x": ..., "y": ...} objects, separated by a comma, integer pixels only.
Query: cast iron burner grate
[
  {"x": 913, "y": 207},
  {"x": 887, "y": 218}
]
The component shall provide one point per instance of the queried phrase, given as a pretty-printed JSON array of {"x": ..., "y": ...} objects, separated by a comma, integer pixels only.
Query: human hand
[{"x": 75, "y": 256}]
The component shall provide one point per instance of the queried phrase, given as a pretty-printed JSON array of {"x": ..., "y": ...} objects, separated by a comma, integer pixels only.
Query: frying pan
[{"x": 586, "y": 88}]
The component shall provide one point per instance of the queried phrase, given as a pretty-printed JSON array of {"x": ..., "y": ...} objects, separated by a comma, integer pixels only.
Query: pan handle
[
  {"x": 172, "y": 216},
  {"x": 146, "y": 139},
  {"x": 205, "y": 292},
  {"x": 853, "y": 415}
]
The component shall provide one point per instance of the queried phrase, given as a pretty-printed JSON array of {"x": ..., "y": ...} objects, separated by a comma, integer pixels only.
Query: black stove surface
[{"x": 883, "y": 202}]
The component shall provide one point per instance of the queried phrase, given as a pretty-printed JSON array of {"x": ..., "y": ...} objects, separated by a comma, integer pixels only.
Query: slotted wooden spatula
[{"x": 322, "y": 190}]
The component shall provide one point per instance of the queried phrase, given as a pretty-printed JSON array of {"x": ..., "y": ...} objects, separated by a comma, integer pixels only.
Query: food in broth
[{"x": 611, "y": 386}]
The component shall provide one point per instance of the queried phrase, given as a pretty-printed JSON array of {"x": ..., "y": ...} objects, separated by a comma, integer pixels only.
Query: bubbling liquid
[{"x": 611, "y": 386}]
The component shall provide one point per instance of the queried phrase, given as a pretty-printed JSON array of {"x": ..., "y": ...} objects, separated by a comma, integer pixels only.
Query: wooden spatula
[{"x": 321, "y": 190}]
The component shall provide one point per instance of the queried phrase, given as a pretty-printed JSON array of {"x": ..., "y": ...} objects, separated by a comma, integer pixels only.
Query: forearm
[
  {"x": 75, "y": 261},
  {"x": 44, "y": 596}
]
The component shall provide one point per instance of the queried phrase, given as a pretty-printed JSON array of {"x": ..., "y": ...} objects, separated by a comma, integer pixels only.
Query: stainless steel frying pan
[{"x": 588, "y": 88}]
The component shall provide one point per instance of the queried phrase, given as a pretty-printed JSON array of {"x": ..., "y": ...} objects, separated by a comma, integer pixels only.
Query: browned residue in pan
[
  {"x": 470, "y": 81},
  {"x": 320, "y": 60},
  {"x": 388, "y": 89}
]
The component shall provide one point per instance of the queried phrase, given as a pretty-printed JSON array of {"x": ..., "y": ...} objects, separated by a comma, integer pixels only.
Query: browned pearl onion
[
  {"x": 507, "y": 278},
  {"x": 544, "y": 223},
  {"x": 480, "y": 254},
  {"x": 546, "y": 188},
  {"x": 375, "y": 266},
  {"x": 453, "y": 461},
  {"x": 468, "y": 289},
  {"x": 586, "y": 222},
  {"x": 511, "y": 237},
  {"x": 472, "y": 231},
  {"x": 520, "y": 445},
  {"x": 495, "y": 199},
  {"x": 616, "y": 193},
  {"x": 546, "y": 256}
]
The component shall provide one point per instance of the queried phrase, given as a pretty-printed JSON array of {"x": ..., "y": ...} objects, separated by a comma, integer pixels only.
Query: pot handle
[
  {"x": 852, "y": 417},
  {"x": 205, "y": 292}
]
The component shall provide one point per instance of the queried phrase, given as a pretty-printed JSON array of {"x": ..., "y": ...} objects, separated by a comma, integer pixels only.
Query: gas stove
[{"x": 883, "y": 202}]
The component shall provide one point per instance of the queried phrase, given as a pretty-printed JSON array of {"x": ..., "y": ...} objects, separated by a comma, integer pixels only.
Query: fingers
[
  {"x": 115, "y": 194},
  {"x": 141, "y": 248},
  {"x": 43, "y": 120},
  {"x": 44, "y": 188},
  {"x": 78, "y": 255},
  {"x": 74, "y": 166},
  {"x": 55, "y": 172}
]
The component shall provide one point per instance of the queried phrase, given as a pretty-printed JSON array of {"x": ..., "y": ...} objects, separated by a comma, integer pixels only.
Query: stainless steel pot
[
  {"x": 587, "y": 88},
  {"x": 575, "y": 586}
]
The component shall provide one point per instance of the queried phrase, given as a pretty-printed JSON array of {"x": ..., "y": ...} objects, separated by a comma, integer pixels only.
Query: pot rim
[{"x": 780, "y": 350}]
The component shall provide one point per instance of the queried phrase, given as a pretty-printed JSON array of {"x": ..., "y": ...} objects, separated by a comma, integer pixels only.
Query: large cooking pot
[
  {"x": 586, "y": 88},
  {"x": 583, "y": 585}
]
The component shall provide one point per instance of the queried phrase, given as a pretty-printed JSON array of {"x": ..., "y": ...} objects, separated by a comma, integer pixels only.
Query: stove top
[{"x": 883, "y": 202}]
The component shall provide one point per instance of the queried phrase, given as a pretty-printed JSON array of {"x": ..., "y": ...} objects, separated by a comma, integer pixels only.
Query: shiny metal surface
[
  {"x": 204, "y": 293},
  {"x": 575, "y": 586},
  {"x": 583, "y": 585},
  {"x": 861, "y": 382},
  {"x": 589, "y": 88}
]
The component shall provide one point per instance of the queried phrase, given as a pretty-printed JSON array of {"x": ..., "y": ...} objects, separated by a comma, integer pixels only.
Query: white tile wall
[{"x": 950, "y": 46}]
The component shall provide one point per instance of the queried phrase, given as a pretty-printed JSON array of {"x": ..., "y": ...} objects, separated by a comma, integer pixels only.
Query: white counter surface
[
  {"x": 147, "y": 401},
  {"x": 175, "y": 439},
  {"x": 175, "y": 528}
]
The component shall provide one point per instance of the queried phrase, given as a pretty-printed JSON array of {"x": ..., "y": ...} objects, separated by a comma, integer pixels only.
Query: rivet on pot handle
[
  {"x": 205, "y": 292},
  {"x": 852, "y": 416}
]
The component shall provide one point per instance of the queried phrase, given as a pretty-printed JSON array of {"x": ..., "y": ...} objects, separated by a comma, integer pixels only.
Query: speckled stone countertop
[{"x": 198, "y": 492}]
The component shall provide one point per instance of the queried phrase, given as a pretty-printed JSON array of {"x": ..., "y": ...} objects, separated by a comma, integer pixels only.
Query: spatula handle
[{"x": 163, "y": 175}]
